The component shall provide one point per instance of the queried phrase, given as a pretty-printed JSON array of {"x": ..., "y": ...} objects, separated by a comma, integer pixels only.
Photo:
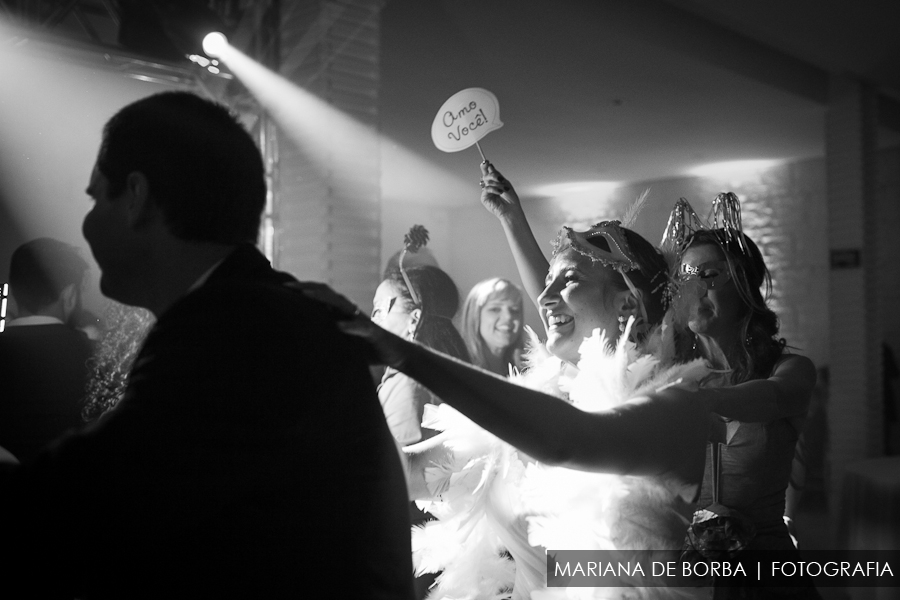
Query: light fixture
[{"x": 214, "y": 44}]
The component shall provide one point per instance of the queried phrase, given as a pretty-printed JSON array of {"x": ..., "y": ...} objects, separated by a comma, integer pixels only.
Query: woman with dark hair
[
  {"x": 492, "y": 325},
  {"x": 423, "y": 315},
  {"x": 752, "y": 347},
  {"x": 759, "y": 413}
]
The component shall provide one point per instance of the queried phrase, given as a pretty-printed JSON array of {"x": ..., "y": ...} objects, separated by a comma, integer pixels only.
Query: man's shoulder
[
  {"x": 257, "y": 298},
  {"x": 249, "y": 309},
  {"x": 246, "y": 276}
]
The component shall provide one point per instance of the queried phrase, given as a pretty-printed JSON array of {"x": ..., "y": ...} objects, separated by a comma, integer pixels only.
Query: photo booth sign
[{"x": 464, "y": 119}]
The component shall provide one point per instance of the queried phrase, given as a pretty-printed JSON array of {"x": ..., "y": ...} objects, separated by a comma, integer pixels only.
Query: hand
[
  {"x": 388, "y": 349},
  {"x": 497, "y": 193}
]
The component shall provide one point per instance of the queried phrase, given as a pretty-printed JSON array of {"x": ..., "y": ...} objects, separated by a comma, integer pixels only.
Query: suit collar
[{"x": 244, "y": 262}]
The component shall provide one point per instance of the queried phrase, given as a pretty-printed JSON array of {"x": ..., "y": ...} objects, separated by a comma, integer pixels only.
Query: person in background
[
  {"x": 43, "y": 360},
  {"x": 418, "y": 307},
  {"x": 760, "y": 407},
  {"x": 492, "y": 325},
  {"x": 416, "y": 303}
]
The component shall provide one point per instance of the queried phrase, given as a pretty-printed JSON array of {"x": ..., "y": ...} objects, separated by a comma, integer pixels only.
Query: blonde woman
[{"x": 492, "y": 325}]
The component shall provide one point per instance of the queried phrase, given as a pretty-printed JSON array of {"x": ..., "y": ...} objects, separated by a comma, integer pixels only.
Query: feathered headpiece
[{"x": 412, "y": 241}]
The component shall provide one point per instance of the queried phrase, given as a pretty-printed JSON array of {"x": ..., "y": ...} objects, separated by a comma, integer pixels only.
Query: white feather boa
[{"x": 495, "y": 500}]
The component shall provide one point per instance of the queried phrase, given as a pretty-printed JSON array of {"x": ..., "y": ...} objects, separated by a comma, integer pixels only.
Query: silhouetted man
[
  {"x": 43, "y": 360},
  {"x": 250, "y": 428}
]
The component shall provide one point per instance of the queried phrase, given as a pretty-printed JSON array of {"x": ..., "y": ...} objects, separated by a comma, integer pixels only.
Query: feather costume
[{"x": 495, "y": 502}]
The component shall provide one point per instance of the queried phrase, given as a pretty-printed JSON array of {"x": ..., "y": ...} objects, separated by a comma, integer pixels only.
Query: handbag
[{"x": 717, "y": 533}]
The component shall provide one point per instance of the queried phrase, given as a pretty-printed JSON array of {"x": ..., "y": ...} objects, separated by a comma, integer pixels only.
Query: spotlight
[{"x": 215, "y": 43}]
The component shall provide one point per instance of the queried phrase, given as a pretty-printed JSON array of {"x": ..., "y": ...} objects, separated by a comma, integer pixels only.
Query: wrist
[{"x": 514, "y": 219}]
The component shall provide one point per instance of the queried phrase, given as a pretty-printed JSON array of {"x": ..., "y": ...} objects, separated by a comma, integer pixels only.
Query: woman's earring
[{"x": 621, "y": 324}]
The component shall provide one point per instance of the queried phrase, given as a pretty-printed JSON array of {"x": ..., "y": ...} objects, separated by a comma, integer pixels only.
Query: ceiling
[{"x": 612, "y": 90}]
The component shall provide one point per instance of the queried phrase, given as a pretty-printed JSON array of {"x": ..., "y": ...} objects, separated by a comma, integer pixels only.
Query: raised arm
[
  {"x": 662, "y": 433},
  {"x": 786, "y": 394},
  {"x": 500, "y": 198}
]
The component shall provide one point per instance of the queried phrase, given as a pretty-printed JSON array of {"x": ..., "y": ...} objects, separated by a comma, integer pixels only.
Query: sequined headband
[
  {"x": 725, "y": 215},
  {"x": 725, "y": 221}
]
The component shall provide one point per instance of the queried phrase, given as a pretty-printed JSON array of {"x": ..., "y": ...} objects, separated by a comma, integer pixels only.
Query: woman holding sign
[
  {"x": 768, "y": 390},
  {"x": 601, "y": 299},
  {"x": 606, "y": 286}
]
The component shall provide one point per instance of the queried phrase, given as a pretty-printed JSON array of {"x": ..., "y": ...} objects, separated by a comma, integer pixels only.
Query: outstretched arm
[
  {"x": 651, "y": 435},
  {"x": 500, "y": 198},
  {"x": 662, "y": 433},
  {"x": 786, "y": 394}
]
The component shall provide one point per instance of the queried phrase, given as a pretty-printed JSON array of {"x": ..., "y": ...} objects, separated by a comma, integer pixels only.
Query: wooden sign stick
[{"x": 477, "y": 145}]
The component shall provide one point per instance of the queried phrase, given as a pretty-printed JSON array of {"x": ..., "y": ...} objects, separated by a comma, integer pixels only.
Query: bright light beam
[
  {"x": 215, "y": 44},
  {"x": 319, "y": 130}
]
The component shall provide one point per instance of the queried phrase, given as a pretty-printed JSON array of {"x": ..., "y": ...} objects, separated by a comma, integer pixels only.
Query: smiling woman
[
  {"x": 598, "y": 279},
  {"x": 604, "y": 288},
  {"x": 492, "y": 325}
]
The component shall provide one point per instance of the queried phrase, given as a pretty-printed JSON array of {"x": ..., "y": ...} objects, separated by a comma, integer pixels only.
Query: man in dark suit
[
  {"x": 43, "y": 360},
  {"x": 250, "y": 428}
]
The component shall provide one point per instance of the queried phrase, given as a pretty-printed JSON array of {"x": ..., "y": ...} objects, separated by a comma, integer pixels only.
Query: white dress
[{"x": 498, "y": 509}]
